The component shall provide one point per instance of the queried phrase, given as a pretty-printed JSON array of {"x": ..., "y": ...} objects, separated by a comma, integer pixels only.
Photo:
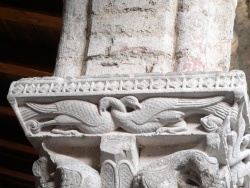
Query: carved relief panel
[{"x": 157, "y": 131}]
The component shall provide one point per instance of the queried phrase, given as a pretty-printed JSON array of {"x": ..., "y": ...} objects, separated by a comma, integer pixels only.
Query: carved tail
[
  {"x": 221, "y": 109},
  {"x": 34, "y": 110},
  {"x": 27, "y": 113},
  {"x": 198, "y": 103},
  {"x": 43, "y": 108}
]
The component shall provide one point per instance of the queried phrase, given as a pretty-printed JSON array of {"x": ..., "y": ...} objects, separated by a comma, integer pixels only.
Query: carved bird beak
[
  {"x": 138, "y": 107},
  {"x": 101, "y": 111}
]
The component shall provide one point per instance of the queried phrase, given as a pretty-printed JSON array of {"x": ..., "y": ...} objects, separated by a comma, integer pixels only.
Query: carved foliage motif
[
  {"x": 236, "y": 140},
  {"x": 117, "y": 176},
  {"x": 56, "y": 170},
  {"x": 178, "y": 169}
]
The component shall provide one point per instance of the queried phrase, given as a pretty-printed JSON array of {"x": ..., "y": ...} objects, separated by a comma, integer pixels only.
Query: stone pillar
[
  {"x": 121, "y": 121},
  {"x": 73, "y": 41},
  {"x": 242, "y": 28},
  {"x": 204, "y": 34},
  {"x": 131, "y": 37}
]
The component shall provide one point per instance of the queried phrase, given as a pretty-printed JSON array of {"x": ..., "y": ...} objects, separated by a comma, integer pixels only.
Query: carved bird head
[
  {"x": 104, "y": 103},
  {"x": 117, "y": 104},
  {"x": 211, "y": 123},
  {"x": 132, "y": 102}
]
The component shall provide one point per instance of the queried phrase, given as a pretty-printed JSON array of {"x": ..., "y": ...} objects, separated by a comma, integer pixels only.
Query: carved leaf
[
  {"x": 84, "y": 87},
  {"x": 18, "y": 89},
  {"x": 57, "y": 88},
  {"x": 44, "y": 88},
  {"x": 177, "y": 83},
  {"x": 71, "y": 87},
  {"x": 108, "y": 174},
  {"x": 209, "y": 83},
  {"x": 128, "y": 85},
  {"x": 31, "y": 89},
  {"x": 224, "y": 82},
  {"x": 113, "y": 86},
  {"x": 70, "y": 178},
  {"x": 159, "y": 84},
  {"x": 99, "y": 86},
  {"x": 192, "y": 83},
  {"x": 237, "y": 82},
  {"x": 125, "y": 175},
  {"x": 143, "y": 85}
]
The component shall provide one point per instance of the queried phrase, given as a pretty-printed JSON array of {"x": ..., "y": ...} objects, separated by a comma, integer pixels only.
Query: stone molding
[{"x": 169, "y": 83}]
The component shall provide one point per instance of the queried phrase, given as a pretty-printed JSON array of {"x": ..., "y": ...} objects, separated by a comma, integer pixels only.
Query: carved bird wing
[
  {"x": 198, "y": 103},
  {"x": 85, "y": 112},
  {"x": 153, "y": 108},
  {"x": 69, "y": 178},
  {"x": 43, "y": 108},
  {"x": 221, "y": 109},
  {"x": 167, "y": 117}
]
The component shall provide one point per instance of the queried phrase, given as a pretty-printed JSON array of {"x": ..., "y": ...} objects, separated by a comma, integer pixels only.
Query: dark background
[{"x": 29, "y": 36}]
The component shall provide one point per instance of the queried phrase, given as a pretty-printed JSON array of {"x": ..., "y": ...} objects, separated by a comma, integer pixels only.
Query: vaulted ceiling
[{"x": 29, "y": 36}]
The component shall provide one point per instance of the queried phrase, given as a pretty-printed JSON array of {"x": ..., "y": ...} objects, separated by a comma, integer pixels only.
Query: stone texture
[
  {"x": 118, "y": 148},
  {"x": 204, "y": 33},
  {"x": 73, "y": 39},
  {"x": 117, "y": 37},
  {"x": 120, "y": 153},
  {"x": 162, "y": 141},
  {"x": 242, "y": 30},
  {"x": 211, "y": 151},
  {"x": 111, "y": 130},
  {"x": 137, "y": 36}
]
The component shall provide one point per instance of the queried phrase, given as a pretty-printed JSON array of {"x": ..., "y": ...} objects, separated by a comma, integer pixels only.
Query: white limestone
[
  {"x": 213, "y": 123},
  {"x": 73, "y": 39},
  {"x": 119, "y": 159},
  {"x": 112, "y": 118},
  {"x": 126, "y": 37}
]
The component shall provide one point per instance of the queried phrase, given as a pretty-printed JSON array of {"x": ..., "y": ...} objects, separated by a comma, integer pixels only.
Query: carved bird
[
  {"x": 179, "y": 170},
  {"x": 153, "y": 113},
  {"x": 74, "y": 173},
  {"x": 83, "y": 115},
  {"x": 65, "y": 172}
]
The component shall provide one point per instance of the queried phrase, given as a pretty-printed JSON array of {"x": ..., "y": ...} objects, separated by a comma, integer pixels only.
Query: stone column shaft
[
  {"x": 204, "y": 34},
  {"x": 70, "y": 57}
]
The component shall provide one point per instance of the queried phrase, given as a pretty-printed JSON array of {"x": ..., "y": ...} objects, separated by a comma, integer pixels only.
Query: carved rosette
[{"x": 142, "y": 131}]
